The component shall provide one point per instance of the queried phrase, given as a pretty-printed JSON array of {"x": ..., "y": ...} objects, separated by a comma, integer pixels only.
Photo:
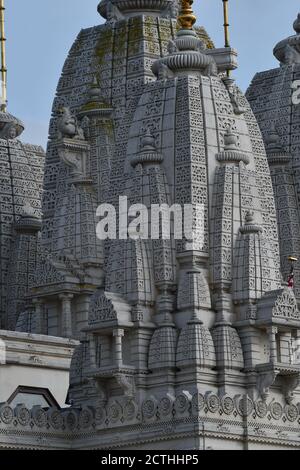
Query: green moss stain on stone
[
  {"x": 104, "y": 45},
  {"x": 120, "y": 45},
  {"x": 108, "y": 127}
]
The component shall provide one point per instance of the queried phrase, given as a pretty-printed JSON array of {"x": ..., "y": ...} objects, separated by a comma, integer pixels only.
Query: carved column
[
  {"x": 272, "y": 332},
  {"x": 118, "y": 335},
  {"x": 40, "y": 317},
  {"x": 66, "y": 315},
  {"x": 286, "y": 353}
]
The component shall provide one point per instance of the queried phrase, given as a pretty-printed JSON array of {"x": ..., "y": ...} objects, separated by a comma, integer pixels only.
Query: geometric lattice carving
[
  {"x": 108, "y": 307},
  {"x": 286, "y": 306},
  {"x": 279, "y": 307},
  {"x": 102, "y": 310}
]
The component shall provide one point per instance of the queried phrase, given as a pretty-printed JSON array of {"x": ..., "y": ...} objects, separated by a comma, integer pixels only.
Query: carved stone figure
[{"x": 68, "y": 126}]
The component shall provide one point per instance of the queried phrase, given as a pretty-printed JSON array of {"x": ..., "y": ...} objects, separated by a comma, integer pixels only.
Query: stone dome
[
  {"x": 229, "y": 352},
  {"x": 162, "y": 351},
  {"x": 195, "y": 346}
]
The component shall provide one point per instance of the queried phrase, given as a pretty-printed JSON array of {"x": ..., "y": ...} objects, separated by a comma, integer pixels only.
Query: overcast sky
[{"x": 40, "y": 33}]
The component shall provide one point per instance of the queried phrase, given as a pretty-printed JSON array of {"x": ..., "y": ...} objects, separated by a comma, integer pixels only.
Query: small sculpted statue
[
  {"x": 10, "y": 131},
  {"x": 68, "y": 126}
]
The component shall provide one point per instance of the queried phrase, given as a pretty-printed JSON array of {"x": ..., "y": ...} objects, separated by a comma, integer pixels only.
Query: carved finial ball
[
  {"x": 230, "y": 140},
  {"x": 297, "y": 24},
  {"x": 249, "y": 219},
  {"x": 148, "y": 140},
  {"x": 28, "y": 210},
  {"x": 273, "y": 136}
]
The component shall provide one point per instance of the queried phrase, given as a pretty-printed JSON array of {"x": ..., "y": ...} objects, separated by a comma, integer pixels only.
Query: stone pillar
[
  {"x": 286, "y": 353},
  {"x": 272, "y": 332},
  {"x": 296, "y": 348},
  {"x": 40, "y": 317},
  {"x": 118, "y": 335},
  {"x": 66, "y": 315}
]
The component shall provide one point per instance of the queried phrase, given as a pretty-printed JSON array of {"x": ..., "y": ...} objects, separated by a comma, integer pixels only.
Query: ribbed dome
[
  {"x": 228, "y": 346},
  {"x": 195, "y": 346},
  {"x": 162, "y": 352}
]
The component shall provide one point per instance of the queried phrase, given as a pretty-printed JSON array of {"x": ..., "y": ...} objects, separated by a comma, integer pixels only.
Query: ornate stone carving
[
  {"x": 286, "y": 306},
  {"x": 130, "y": 410},
  {"x": 56, "y": 419},
  {"x": 198, "y": 403},
  {"x": 101, "y": 310},
  {"x": 68, "y": 126},
  {"x": 291, "y": 412},
  {"x": 22, "y": 415},
  {"x": 100, "y": 415},
  {"x": 126, "y": 384},
  {"x": 264, "y": 381},
  {"x": 71, "y": 420},
  {"x": 182, "y": 403},
  {"x": 39, "y": 416},
  {"x": 85, "y": 418},
  {"x": 149, "y": 408},
  {"x": 227, "y": 405},
  {"x": 213, "y": 402},
  {"x": 290, "y": 384},
  {"x": 165, "y": 405},
  {"x": 276, "y": 411},
  {"x": 245, "y": 406},
  {"x": 6, "y": 414},
  {"x": 261, "y": 409}
]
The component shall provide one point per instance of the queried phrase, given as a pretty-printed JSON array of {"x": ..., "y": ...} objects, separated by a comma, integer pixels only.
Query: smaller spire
[
  {"x": 273, "y": 140},
  {"x": 231, "y": 153},
  {"x": 148, "y": 153},
  {"x": 275, "y": 151},
  {"x": 250, "y": 225},
  {"x": 186, "y": 17}
]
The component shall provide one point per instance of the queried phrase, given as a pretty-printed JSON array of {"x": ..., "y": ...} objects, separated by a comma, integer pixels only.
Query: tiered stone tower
[
  {"x": 183, "y": 344},
  {"x": 274, "y": 98},
  {"x": 22, "y": 167}
]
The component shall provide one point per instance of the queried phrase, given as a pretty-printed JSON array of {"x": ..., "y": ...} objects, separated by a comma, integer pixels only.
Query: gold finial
[
  {"x": 3, "y": 57},
  {"x": 186, "y": 18}
]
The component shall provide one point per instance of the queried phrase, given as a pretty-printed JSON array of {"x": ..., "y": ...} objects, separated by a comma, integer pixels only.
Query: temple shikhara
[{"x": 141, "y": 343}]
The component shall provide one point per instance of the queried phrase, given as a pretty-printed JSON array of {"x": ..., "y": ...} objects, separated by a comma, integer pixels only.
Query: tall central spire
[
  {"x": 186, "y": 18},
  {"x": 3, "y": 57}
]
